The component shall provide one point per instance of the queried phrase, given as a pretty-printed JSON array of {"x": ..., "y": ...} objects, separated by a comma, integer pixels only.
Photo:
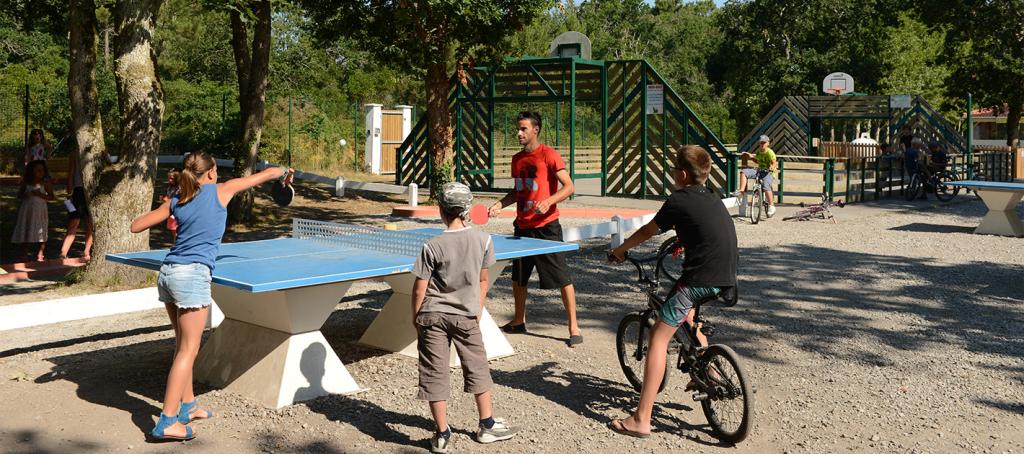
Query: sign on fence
[
  {"x": 900, "y": 102},
  {"x": 655, "y": 99}
]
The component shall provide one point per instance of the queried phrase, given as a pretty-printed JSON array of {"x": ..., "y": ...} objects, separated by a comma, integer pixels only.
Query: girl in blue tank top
[{"x": 184, "y": 281}]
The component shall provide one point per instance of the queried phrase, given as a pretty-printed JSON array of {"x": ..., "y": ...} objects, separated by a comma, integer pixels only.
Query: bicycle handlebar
[{"x": 637, "y": 263}]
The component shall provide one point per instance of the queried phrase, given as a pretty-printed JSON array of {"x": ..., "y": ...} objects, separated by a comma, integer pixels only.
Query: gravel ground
[{"x": 896, "y": 330}]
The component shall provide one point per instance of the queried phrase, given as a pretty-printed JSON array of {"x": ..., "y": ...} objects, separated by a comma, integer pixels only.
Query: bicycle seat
[{"x": 728, "y": 297}]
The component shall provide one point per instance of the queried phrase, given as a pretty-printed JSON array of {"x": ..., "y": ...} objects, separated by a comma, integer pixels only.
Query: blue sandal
[
  {"x": 168, "y": 421},
  {"x": 185, "y": 412}
]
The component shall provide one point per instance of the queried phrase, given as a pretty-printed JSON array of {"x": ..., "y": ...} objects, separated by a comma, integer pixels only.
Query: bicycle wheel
[
  {"x": 756, "y": 205},
  {"x": 943, "y": 191},
  {"x": 671, "y": 256},
  {"x": 912, "y": 189},
  {"x": 729, "y": 406},
  {"x": 631, "y": 344}
]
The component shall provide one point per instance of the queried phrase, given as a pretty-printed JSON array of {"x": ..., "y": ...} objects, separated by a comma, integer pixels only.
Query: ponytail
[{"x": 196, "y": 164}]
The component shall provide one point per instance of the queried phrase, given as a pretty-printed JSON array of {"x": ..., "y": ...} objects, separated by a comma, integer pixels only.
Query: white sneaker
[
  {"x": 741, "y": 203},
  {"x": 439, "y": 444},
  {"x": 771, "y": 210},
  {"x": 499, "y": 432}
]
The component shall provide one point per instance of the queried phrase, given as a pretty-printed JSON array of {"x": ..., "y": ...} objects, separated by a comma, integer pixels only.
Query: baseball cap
[
  {"x": 764, "y": 138},
  {"x": 455, "y": 197}
]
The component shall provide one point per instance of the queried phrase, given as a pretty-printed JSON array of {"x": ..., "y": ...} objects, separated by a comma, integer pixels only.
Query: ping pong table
[
  {"x": 1001, "y": 199},
  {"x": 276, "y": 295}
]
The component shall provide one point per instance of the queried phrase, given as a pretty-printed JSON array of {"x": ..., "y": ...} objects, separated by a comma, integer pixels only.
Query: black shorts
[
  {"x": 551, "y": 267},
  {"x": 81, "y": 207}
]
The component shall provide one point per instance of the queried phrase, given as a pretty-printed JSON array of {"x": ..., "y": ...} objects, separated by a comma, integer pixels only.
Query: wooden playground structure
[{"x": 640, "y": 120}]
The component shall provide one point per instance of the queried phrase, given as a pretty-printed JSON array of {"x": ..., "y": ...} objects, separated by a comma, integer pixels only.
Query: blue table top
[
  {"x": 284, "y": 263},
  {"x": 1003, "y": 185}
]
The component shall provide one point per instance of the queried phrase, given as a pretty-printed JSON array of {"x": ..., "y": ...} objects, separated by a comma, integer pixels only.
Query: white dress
[{"x": 33, "y": 219}]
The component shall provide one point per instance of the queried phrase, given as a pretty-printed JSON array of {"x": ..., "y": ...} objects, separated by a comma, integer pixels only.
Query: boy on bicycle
[
  {"x": 706, "y": 232},
  {"x": 767, "y": 164},
  {"x": 937, "y": 158}
]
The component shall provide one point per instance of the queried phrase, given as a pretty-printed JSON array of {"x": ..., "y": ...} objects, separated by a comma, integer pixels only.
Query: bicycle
[
  {"x": 718, "y": 381},
  {"x": 758, "y": 202},
  {"x": 922, "y": 183},
  {"x": 817, "y": 210},
  {"x": 976, "y": 174}
]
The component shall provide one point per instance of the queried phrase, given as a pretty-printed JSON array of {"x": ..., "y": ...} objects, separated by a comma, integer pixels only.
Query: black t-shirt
[
  {"x": 705, "y": 229},
  {"x": 907, "y": 140}
]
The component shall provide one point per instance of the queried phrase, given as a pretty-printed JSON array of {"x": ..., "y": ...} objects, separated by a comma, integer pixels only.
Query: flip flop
[
  {"x": 575, "y": 340},
  {"x": 616, "y": 426}
]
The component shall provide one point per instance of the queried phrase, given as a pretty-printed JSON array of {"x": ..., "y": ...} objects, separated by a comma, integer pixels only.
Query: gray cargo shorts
[{"x": 437, "y": 331}]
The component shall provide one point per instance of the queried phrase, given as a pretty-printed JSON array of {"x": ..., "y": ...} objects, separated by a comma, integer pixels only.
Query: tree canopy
[{"x": 731, "y": 63}]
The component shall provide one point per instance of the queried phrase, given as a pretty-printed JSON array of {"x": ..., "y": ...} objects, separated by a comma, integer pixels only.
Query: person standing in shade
[
  {"x": 38, "y": 149},
  {"x": 538, "y": 170},
  {"x": 76, "y": 194}
]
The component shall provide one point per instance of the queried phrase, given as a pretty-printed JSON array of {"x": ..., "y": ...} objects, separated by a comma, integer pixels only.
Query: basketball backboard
[
  {"x": 837, "y": 84},
  {"x": 570, "y": 44}
]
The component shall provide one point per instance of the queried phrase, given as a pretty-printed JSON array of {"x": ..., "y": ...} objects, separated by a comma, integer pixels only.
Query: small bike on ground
[
  {"x": 822, "y": 210},
  {"x": 717, "y": 380}
]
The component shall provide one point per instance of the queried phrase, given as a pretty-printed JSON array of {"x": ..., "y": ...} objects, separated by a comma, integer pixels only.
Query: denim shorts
[
  {"x": 186, "y": 286},
  {"x": 674, "y": 311},
  {"x": 766, "y": 177}
]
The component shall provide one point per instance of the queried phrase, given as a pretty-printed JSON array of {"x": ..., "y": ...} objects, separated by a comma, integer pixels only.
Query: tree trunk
[
  {"x": 253, "y": 69},
  {"x": 124, "y": 190},
  {"x": 439, "y": 126},
  {"x": 85, "y": 114},
  {"x": 1016, "y": 104}
]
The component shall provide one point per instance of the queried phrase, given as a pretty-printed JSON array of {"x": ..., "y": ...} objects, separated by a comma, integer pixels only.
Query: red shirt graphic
[{"x": 535, "y": 175}]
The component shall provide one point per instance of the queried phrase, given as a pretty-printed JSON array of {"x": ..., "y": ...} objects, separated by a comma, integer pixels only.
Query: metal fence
[{"x": 806, "y": 178}]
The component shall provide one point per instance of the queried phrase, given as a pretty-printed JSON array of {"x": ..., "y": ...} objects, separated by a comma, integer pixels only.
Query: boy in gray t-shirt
[{"x": 451, "y": 284}]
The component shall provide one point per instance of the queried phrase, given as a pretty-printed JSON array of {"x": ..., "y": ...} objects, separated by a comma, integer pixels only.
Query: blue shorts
[
  {"x": 186, "y": 286},
  {"x": 766, "y": 177},
  {"x": 674, "y": 311}
]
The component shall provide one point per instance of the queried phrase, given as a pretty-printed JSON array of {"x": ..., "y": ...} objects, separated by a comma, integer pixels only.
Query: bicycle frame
[{"x": 685, "y": 335}]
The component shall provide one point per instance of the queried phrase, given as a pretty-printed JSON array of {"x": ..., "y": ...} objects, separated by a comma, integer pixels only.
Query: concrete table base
[
  {"x": 392, "y": 329},
  {"x": 1001, "y": 218},
  {"x": 269, "y": 346}
]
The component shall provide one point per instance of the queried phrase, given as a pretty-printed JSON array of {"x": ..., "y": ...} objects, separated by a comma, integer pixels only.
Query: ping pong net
[{"x": 361, "y": 237}]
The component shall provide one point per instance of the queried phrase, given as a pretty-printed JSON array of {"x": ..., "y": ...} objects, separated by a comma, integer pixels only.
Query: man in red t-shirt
[{"x": 537, "y": 170}]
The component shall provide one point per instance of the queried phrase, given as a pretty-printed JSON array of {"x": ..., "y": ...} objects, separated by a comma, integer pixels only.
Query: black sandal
[{"x": 514, "y": 329}]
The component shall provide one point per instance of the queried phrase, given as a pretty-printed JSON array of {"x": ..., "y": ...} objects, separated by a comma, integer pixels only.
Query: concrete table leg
[
  {"x": 269, "y": 346},
  {"x": 392, "y": 329},
  {"x": 1001, "y": 218}
]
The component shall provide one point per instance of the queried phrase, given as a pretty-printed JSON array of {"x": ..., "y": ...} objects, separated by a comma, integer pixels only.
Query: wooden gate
[{"x": 391, "y": 139}]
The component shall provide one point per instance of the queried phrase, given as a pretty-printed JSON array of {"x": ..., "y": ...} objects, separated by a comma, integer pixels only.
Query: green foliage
[
  {"x": 415, "y": 34},
  {"x": 984, "y": 48},
  {"x": 786, "y": 47},
  {"x": 730, "y": 63},
  {"x": 911, "y": 53}
]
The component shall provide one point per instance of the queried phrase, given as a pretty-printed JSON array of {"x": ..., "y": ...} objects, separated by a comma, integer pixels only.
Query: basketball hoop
[{"x": 836, "y": 84}]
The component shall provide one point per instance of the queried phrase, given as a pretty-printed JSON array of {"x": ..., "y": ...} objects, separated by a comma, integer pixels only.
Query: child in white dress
[{"x": 33, "y": 219}]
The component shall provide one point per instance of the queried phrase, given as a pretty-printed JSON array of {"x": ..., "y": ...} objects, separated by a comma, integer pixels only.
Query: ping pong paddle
[
  {"x": 282, "y": 194},
  {"x": 282, "y": 191},
  {"x": 479, "y": 214}
]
